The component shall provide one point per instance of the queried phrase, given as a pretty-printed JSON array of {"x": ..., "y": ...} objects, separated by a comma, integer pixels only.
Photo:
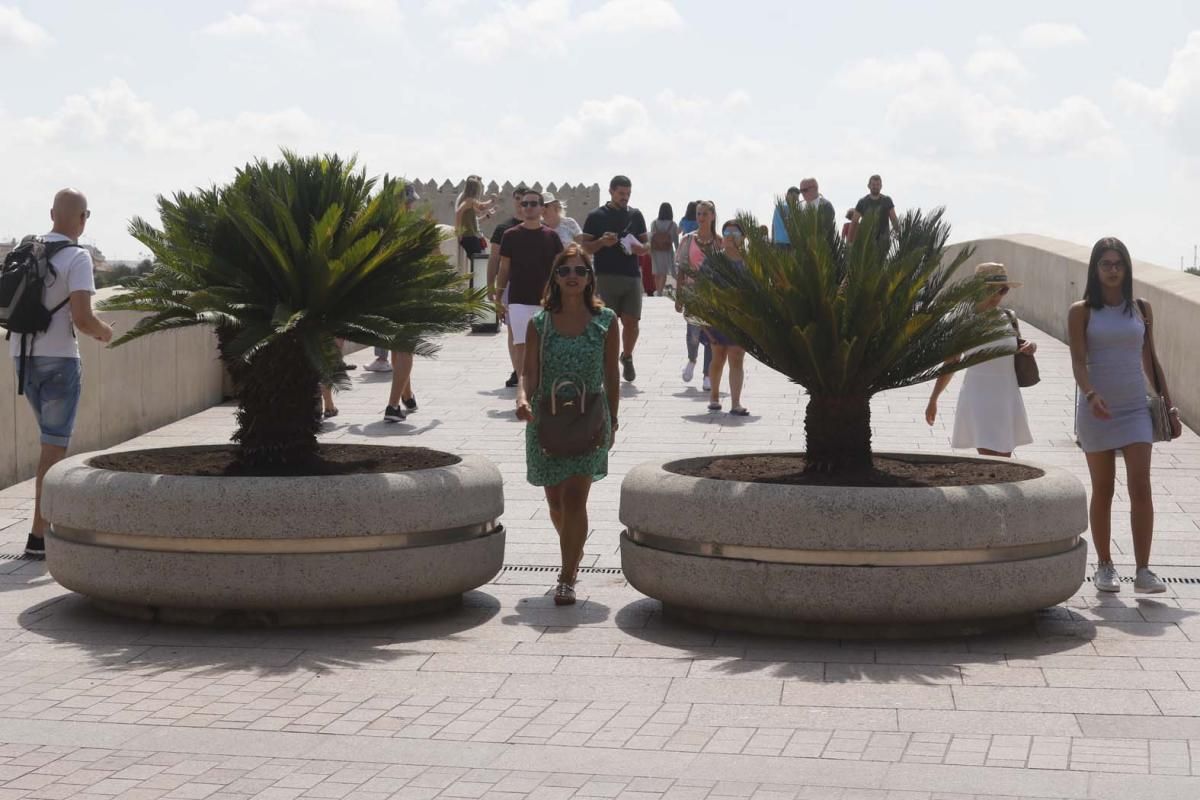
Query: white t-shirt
[
  {"x": 567, "y": 230},
  {"x": 73, "y": 266}
]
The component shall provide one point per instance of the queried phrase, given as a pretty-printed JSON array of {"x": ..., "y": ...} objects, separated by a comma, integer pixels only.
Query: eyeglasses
[
  {"x": 1111, "y": 266},
  {"x": 579, "y": 269},
  {"x": 530, "y": 203},
  {"x": 807, "y": 189},
  {"x": 87, "y": 213}
]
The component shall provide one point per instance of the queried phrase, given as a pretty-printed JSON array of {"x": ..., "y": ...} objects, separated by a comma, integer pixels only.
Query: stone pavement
[{"x": 511, "y": 697}]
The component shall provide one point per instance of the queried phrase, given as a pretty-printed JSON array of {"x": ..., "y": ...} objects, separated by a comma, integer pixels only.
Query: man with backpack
[{"x": 46, "y": 290}]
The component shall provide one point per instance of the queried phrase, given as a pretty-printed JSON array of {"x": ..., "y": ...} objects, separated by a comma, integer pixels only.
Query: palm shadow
[
  {"x": 152, "y": 648},
  {"x": 879, "y": 661}
]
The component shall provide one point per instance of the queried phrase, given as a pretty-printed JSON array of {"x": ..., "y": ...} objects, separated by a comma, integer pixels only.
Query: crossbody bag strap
[
  {"x": 1149, "y": 337},
  {"x": 1012, "y": 320}
]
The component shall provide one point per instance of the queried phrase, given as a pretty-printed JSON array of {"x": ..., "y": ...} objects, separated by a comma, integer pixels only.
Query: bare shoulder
[{"x": 1078, "y": 308}]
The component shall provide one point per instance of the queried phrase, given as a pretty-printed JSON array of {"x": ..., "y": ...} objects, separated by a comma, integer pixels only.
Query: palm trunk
[
  {"x": 838, "y": 430},
  {"x": 277, "y": 427}
]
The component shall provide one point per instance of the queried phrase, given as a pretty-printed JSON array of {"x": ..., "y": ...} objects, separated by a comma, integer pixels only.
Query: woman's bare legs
[
  {"x": 720, "y": 354},
  {"x": 568, "y": 512},
  {"x": 1103, "y": 469},
  {"x": 1141, "y": 503},
  {"x": 737, "y": 375},
  {"x": 402, "y": 364}
]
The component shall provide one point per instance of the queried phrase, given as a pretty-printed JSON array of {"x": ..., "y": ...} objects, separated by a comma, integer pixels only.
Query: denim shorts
[{"x": 52, "y": 388}]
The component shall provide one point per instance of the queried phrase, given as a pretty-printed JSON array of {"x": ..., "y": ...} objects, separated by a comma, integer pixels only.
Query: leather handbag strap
[{"x": 1141, "y": 304}]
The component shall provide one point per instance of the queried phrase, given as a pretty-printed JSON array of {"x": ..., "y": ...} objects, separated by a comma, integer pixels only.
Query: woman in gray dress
[{"x": 1111, "y": 355}]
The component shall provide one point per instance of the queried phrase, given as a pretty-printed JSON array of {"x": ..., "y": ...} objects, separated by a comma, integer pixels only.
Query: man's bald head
[{"x": 70, "y": 213}]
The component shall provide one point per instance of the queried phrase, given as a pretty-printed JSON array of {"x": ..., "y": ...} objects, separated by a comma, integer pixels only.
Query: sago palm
[
  {"x": 847, "y": 321},
  {"x": 281, "y": 260}
]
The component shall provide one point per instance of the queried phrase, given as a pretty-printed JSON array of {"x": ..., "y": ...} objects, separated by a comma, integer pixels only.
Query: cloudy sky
[{"x": 1068, "y": 119}]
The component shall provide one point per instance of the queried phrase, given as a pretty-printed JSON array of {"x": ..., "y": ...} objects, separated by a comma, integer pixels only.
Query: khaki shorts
[{"x": 621, "y": 293}]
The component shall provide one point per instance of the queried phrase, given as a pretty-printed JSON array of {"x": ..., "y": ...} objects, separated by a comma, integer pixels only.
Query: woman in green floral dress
[{"x": 581, "y": 342}]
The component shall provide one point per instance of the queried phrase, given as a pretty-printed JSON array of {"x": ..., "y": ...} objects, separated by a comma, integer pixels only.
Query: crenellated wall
[{"x": 440, "y": 197}]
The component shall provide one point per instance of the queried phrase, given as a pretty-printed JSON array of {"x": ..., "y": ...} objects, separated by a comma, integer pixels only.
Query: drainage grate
[
  {"x": 17, "y": 557},
  {"x": 540, "y": 568},
  {"x": 1164, "y": 579}
]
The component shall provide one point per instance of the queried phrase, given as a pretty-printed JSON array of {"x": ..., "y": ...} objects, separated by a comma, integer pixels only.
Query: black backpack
[{"x": 23, "y": 282}]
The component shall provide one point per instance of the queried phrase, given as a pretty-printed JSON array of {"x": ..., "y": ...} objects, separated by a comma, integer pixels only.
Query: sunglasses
[
  {"x": 732, "y": 233},
  {"x": 579, "y": 269},
  {"x": 530, "y": 203}
]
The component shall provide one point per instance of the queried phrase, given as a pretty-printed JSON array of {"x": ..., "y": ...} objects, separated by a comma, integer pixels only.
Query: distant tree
[{"x": 1192, "y": 270}]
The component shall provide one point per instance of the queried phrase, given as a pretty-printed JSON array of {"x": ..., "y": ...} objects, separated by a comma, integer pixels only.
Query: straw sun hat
[{"x": 994, "y": 274}]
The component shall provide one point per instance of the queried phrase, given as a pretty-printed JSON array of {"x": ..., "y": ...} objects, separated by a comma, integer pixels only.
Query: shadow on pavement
[{"x": 156, "y": 648}]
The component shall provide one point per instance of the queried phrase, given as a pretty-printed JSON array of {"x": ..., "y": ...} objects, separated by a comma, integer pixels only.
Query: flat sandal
[{"x": 564, "y": 594}]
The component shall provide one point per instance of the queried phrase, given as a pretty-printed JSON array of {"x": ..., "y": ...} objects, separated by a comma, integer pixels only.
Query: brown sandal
[{"x": 564, "y": 594}]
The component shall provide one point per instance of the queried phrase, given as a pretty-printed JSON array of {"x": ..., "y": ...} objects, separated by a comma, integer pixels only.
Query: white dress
[{"x": 991, "y": 414}]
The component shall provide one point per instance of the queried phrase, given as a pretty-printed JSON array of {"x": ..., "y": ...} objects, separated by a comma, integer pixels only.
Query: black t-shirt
[
  {"x": 608, "y": 218},
  {"x": 531, "y": 252},
  {"x": 498, "y": 234},
  {"x": 881, "y": 205}
]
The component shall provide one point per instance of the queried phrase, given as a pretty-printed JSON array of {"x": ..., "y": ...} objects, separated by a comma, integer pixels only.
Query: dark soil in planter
[
  {"x": 887, "y": 471},
  {"x": 220, "y": 461}
]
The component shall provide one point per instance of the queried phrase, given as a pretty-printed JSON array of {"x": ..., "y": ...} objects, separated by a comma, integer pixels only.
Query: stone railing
[
  {"x": 127, "y": 391},
  {"x": 1055, "y": 272}
]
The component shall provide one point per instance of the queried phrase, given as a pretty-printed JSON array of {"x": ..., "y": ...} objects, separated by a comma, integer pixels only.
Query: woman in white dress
[{"x": 991, "y": 414}]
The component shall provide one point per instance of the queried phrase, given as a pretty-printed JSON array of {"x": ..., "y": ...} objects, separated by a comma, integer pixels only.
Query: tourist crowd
[{"x": 571, "y": 297}]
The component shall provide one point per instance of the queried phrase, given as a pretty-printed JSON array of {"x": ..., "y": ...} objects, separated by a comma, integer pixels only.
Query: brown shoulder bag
[
  {"x": 571, "y": 425},
  {"x": 1024, "y": 363}
]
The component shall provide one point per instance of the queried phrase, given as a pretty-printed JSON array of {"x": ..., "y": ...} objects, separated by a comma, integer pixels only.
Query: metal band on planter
[
  {"x": 853, "y": 558},
  {"x": 331, "y": 544}
]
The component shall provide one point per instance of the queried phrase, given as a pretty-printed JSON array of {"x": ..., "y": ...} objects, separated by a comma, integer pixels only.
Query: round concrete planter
[
  {"x": 853, "y": 561},
  {"x": 288, "y": 550}
]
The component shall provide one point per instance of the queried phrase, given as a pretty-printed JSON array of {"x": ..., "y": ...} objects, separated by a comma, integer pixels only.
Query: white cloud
[
  {"x": 235, "y": 25},
  {"x": 17, "y": 30},
  {"x": 115, "y": 114},
  {"x": 932, "y": 111},
  {"x": 737, "y": 100},
  {"x": 371, "y": 8},
  {"x": 1051, "y": 34},
  {"x": 618, "y": 16},
  {"x": 556, "y": 25},
  {"x": 290, "y": 18},
  {"x": 995, "y": 62},
  {"x": 1175, "y": 104}
]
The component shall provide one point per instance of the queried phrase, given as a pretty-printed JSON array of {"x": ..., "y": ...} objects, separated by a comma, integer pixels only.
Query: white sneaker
[
  {"x": 689, "y": 371},
  {"x": 1106, "y": 578},
  {"x": 1146, "y": 582},
  {"x": 707, "y": 386},
  {"x": 379, "y": 365}
]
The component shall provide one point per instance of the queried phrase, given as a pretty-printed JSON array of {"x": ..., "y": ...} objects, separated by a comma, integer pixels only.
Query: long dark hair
[
  {"x": 552, "y": 296},
  {"x": 1093, "y": 293},
  {"x": 665, "y": 212},
  {"x": 690, "y": 212}
]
